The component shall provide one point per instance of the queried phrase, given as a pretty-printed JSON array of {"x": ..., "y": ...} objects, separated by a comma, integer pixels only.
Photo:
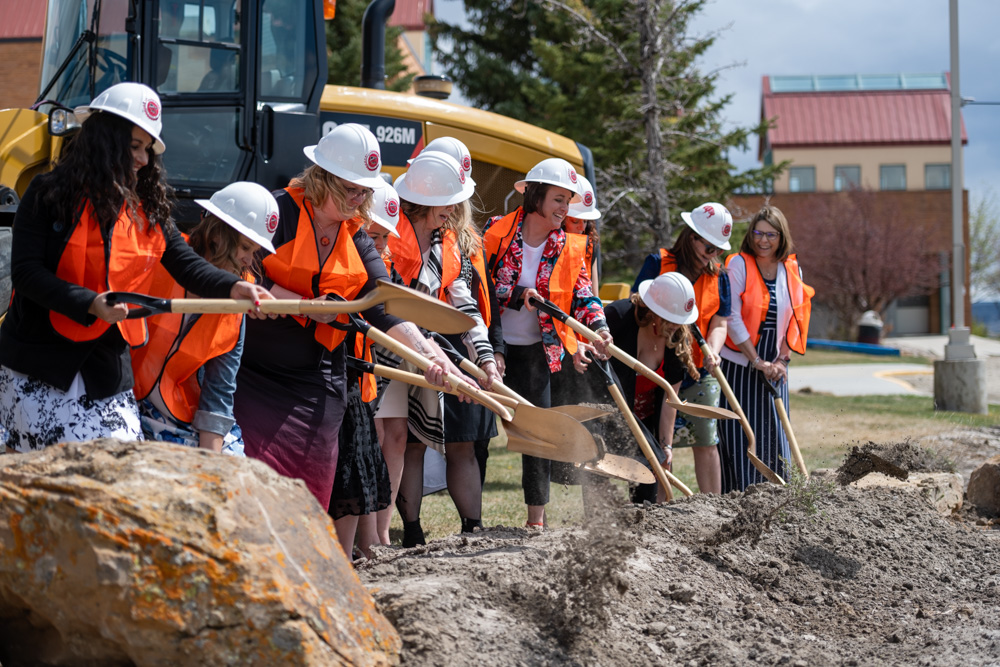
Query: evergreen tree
[
  {"x": 343, "y": 49},
  {"x": 622, "y": 77}
]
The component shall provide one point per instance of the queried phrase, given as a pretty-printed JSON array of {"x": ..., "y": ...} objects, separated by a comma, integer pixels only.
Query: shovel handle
[
  {"x": 786, "y": 424},
  {"x": 423, "y": 364},
  {"x": 473, "y": 370}
]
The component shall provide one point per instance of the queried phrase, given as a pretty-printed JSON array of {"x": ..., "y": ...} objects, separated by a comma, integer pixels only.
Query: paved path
[{"x": 858, "y": 379}]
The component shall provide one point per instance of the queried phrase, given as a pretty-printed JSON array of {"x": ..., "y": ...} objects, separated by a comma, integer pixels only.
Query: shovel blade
[
  {"x": 422, "y": 309},
  {"x": 621, "y": 467},
  {"x": 706, "y": 411},
  {"x": 549, "y": 435},
  {"x": 581, "y": 413}
]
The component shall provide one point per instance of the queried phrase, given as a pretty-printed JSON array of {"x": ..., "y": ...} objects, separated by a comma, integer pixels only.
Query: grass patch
[
  {"x": 831, "y": 357},
  {"x": 826, "y": 427}
]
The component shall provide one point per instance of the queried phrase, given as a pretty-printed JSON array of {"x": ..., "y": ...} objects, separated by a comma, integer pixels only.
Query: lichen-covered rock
[
  {"x": 984, "y": 487},
  {"x": 151, "y": 554}
]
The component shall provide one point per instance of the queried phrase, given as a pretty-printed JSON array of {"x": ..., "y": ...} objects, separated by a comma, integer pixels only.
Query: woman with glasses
[
  {"x": 291, "y": 392},
  {"x": 695, "y": 254},
  {"x": 769, "y": 320}
]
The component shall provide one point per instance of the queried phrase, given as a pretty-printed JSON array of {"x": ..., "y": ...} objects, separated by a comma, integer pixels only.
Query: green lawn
[{"x": 827, "y": 357}]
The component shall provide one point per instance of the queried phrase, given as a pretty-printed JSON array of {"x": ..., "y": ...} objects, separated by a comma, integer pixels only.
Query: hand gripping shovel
[
  {"x": 744, "y": 422},
  {"x": 663, "y": 476},
  {"x": 606, "y": 463},
  {"x": 779, "y": 406},
  {"x": 706, "y": 411},
  {"x": 541, "y": 433},
  {"x": 402, "y": 302}
]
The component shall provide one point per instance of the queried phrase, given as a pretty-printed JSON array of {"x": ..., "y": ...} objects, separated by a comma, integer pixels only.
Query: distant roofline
[{"x": 830, "y": 83}]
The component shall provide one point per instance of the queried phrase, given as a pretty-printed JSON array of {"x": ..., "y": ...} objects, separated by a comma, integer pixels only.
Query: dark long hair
[
  {"x": 218, "y": 242},
  {"x": 97, "y": 166},
  {"x": 684, "y": 252}
]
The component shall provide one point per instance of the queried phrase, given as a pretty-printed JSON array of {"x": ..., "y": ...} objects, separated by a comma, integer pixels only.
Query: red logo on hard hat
[
  {"x": 572, "y": 175},
  {"x": 372, "y": 161},
  {"x": 709, "y": 211},
  {"x": 466, "y": 163},
  {"x": 726, "y": 228},
  {"x": 461, "y": 177},
  {"x": 391, "y": 208},
  {"x": 152, "y": 109},
  {"x": 689, "y": 306},
  {"x": 271, "y": 223},
  {"x": 588, "y": 198}
]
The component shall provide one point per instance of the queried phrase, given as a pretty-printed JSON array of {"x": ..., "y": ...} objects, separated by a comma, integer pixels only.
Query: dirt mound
[
  {"x": 838, "y": 575},
  {"x": 895, "y": 460}
]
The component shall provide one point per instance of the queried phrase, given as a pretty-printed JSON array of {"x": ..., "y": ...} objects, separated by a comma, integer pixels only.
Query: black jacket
[{"x": 28, "y": 342}]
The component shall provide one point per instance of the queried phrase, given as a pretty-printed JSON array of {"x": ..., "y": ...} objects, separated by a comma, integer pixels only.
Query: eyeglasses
[
  {"x": 770, "y": 236},
  {"x": 357, "y": 193},
  {"x": 710, "y": 249}
]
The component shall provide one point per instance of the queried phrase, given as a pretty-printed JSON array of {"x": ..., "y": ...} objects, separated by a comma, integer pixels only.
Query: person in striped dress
[{"x": 769, "y": 320}]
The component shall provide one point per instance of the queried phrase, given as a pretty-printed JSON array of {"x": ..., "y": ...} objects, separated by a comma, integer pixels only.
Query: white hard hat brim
[
  {"x": 521, "y": 185},
  {"x": 427, "y": 200},
  {"x": 592, "y": 214},
  {"x": 714, "y": 240},
  {"x": 663, "y": 312},
  {"x": 235, "y": 224},
  {"x": 374, "y": 182},
  {"x": 385, "y": 225},
  {"x": 84, "y": 112}
]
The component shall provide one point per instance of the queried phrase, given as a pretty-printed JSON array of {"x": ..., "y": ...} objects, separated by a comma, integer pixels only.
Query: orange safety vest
[
  {"x": 367, "y": 381},
  {"x": 295, "y": 266},
  {"x": 406, "y": 251},
  {"x": 706, "y": 295},
  {"x": 126, "y": 266},
  {"x": 565, "y": 273},
  {"x": 756, "y": 299},
  {"x": 172, "y": 369},
  {"x": 451, "y": 267}
]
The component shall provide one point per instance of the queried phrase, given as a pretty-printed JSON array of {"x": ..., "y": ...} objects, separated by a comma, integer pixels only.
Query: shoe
[
  {"x": 413, "y": 534},
  {"x": 535, "y": 526},
  {"x": 471, "y": 525}
]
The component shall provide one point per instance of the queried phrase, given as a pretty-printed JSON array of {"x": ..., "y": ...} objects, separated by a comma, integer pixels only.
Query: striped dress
[{"x": 747, "y": 384}]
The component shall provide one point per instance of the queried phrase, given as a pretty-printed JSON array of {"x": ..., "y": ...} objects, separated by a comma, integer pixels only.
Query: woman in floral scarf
[{"x": 531, "y": 257}]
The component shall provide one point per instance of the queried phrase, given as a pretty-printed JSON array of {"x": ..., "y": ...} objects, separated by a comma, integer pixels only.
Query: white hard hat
[
  {"x": 671, "y": 296},
  {"x": 351, "y": 152},
  {"x": 248, "y": 208},
  {"x": 586, "y": 208},
  {"x": 454, "y": 148},
  {"x": 713, "y": 222},
  {"x": 134, "y": 101},
  {"x": 385, "y": 209},
  {"x": 434, "y": 179},
  {"x": 554, "y": 171}
]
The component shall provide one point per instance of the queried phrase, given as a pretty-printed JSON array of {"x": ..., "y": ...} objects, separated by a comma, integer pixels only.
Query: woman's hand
[
  {"x": 255, "y": 293},
  {"x": 527, "y": 295},
  {"x": 99, "y": 307},
  {"x": 711, "y": 360},
  {"x": 668, "y": 452},
  {"x": 601, "y": 346},
  {"x": 492, "y": 375},
  {"x": 581, "y": 359},
  {"x": 440, "y": 367},
  {"x": 501, "y": 363}
]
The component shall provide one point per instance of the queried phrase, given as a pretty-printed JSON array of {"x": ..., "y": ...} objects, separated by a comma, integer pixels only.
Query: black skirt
[
  {"x": 361, "y": 485},
  {"x": 466, "y": 422}
]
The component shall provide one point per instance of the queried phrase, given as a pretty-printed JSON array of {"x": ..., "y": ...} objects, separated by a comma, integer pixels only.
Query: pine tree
[
  {"x": 343, "y": 49},
  {"x": 621, "y": 77}
]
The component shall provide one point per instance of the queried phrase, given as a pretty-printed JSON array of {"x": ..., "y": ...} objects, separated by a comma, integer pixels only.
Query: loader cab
[{"x": 240, "y": 80}]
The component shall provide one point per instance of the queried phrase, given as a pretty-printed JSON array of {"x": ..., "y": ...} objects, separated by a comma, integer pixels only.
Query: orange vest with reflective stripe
[
  {"x": 126, "y": 267},
  {"x": 706, "y": 295},
  {"x": 171, "y": 370},
  {"x": 756, "y": 299},
  {"x": 565, "y": 273},
  {"x": 451, "y": 267},
  {"x": 295, "y": 266}
]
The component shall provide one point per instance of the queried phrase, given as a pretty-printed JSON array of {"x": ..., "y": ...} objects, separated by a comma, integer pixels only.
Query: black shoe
[
  {"x": 470, "y": 525},
  {"x": 413, "y": 534}
]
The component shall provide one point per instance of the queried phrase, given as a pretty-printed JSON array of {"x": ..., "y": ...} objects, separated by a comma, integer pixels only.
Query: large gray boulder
[
  {"x": 984, "y": 487},
  {"x": 150, "y": 554}
]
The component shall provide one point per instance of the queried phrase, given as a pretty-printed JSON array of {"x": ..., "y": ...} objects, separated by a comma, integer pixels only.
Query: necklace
[
  {"x": 770, "y": 273},
  {"x": 323, "y": 232}
]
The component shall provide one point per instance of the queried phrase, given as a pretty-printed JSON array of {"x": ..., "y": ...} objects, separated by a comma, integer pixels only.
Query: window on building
[
  {"x": 846, "y": 178},
  {"x": 937, "y": 176},
  {"x": 802, "y": 179},
  {"x": 892, "y": 177}
]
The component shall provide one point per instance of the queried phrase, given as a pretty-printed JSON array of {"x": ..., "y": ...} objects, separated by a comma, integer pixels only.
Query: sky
[{"x": 775, "y": 37}]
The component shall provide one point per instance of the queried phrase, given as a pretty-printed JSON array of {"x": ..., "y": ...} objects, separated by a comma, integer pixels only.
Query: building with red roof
[{"x": 20, "y": 52}]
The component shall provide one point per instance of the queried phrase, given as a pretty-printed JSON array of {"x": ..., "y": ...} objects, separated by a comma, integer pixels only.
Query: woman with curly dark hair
[{"x": 99, "y": 222}]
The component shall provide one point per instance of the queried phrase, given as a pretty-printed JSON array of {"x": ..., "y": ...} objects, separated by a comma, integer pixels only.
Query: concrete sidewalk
[
  {"x": 857, "y": 379},
  {"x": 933, "y": 346}
]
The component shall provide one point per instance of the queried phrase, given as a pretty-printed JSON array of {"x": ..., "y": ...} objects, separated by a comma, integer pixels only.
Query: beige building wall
[{"x": 869, "y": 159}]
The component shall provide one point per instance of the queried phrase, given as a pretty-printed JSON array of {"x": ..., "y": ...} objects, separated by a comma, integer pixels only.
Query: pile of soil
[{"x": 802, "y": 575}]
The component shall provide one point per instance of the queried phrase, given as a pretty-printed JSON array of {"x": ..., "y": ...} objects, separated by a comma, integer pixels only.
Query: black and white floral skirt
[{"x": 34, "y": 414}]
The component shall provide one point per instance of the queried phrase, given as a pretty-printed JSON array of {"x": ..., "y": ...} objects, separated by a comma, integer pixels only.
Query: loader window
[
  {"x": 288, "y": 65},
  {"x": 202, "y": 148},
  {"x": 199, "y": 46}
]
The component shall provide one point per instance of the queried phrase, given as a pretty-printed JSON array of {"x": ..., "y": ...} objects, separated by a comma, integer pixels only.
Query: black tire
[{"x": 6, "y": 237}]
